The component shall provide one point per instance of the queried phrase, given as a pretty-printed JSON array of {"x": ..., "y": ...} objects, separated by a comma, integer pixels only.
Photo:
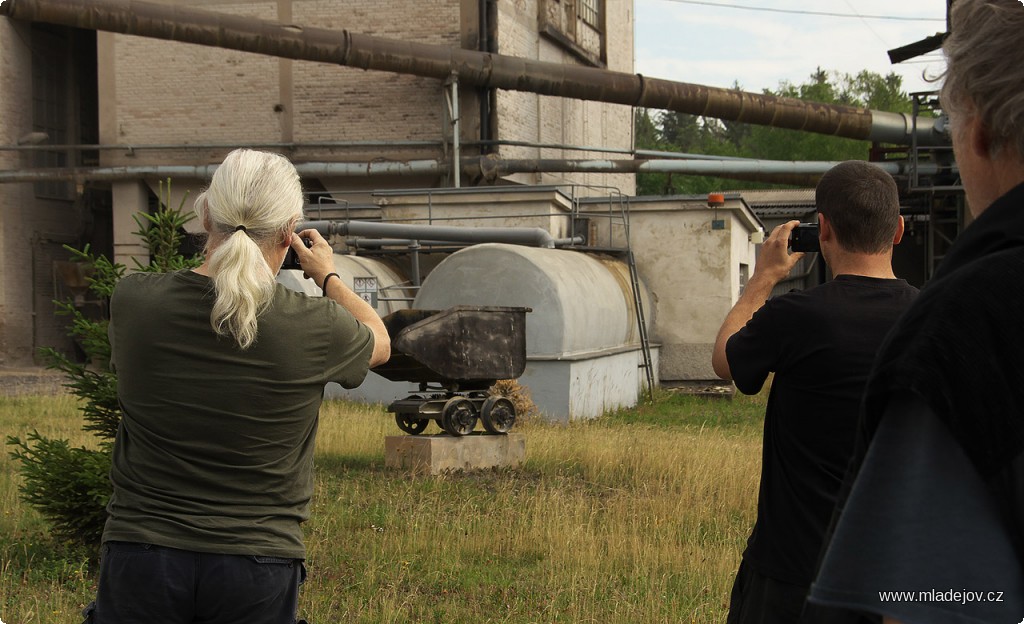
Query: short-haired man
[
  {"x": 820, "y": 344},
  {"x": 933, "y": 528}
]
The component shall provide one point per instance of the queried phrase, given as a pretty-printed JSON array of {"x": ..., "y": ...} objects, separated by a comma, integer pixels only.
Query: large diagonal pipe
[{"x": 480, "y": 69}]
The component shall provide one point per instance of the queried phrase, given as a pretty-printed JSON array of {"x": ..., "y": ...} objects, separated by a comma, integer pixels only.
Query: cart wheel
[
  {"x": 414, "y": 426},
  {"x": 498, "y": 414},
  {"x": 458, "y": 417}
]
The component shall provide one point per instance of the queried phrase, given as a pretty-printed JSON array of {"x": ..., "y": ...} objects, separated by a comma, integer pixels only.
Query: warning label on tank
[{"x": 366, "y": 288}]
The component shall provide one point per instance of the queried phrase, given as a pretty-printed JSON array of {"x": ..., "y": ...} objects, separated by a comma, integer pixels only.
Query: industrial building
[
  {"x": 476, "y": 114},
  {"x": 145, "y": 110}
]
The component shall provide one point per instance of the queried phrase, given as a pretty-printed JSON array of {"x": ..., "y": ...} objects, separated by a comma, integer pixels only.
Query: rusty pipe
[{"x": 479, "y": 69}]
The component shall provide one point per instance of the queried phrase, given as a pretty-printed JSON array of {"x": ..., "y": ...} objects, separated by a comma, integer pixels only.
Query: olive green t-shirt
[{"x": 215, "y": 448}]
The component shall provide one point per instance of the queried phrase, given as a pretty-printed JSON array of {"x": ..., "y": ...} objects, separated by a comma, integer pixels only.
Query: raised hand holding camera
[
  {"x": 774, "y": 261},
  {"x": 314, "y": 255},
  {"x": 291, "y": 258},
  {"x": 805, "y": 238}
]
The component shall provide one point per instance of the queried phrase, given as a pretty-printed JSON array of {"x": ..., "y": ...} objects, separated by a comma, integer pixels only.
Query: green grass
[
  {"x": 674, "y": 409},
  {"x": 636, "y": 517}
]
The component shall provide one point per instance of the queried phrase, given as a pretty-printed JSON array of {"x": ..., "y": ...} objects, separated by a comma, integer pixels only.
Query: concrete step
[{"x": 437, "y": 454}]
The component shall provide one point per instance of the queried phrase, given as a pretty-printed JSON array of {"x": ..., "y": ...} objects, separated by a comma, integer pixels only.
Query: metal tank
[
  {"x": 582, "y": 339},
  {"x": 391, "y": 295},
  {"x": 378, "y": 281},
  {"x": 581, "y": 303}
]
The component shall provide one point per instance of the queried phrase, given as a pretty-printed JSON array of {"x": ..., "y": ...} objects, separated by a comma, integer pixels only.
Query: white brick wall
[
  {"x": 169, "y": 93},
  {"x": 553, "y": 120}
]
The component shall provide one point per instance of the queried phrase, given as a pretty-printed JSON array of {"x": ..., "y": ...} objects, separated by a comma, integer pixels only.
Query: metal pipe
[
  {"x": 218, "y": 146},
  {"x": 205, "y": 172},
  {"x": 480, "y": 69},
  {"x": 393, "y": 242},
  {"x": 658, "y": 154},
  {"x": 487, "y": 169},
  {"x": 569, "y": 241},
  {"x": 414, "y": 261},
  {"x": 456, "y": 129},
  {"x": 376, "y": 243},
  {"x": 535, "y": 237},
  {"x": 81, "y": 147},
  {"x": 484, "y": 45}
]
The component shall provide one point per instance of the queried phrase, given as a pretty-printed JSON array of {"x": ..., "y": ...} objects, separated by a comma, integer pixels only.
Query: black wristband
[{"x": 327, "y": 279}]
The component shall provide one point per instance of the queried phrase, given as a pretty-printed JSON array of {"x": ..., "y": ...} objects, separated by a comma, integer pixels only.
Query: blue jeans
[{"x": 147, "y": 584}]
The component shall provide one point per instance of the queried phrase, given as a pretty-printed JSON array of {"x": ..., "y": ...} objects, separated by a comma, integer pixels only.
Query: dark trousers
[
  {"x": 758, "y": 599},
  {"x": 147, "y": 584}
]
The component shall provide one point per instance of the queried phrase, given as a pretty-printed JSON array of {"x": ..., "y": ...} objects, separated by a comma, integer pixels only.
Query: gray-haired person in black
[{"x": 932, "y": 531}]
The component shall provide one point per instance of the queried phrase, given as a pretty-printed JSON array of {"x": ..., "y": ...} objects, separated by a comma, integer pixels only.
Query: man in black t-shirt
[{"x": 820, "y": 344}]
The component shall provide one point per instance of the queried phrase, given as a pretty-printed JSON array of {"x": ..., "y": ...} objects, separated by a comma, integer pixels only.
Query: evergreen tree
[{"x": 70, "y": 486}]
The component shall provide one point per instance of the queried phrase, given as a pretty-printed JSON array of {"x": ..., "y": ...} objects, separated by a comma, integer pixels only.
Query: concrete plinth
[{"x": 437, "y": 454}]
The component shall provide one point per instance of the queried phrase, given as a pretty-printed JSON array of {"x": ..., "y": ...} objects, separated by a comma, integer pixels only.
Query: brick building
[{"x": 144, "y": 109}]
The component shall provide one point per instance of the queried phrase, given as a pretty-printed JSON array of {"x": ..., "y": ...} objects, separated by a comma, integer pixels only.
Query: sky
[{"x": 690, "y": 41}]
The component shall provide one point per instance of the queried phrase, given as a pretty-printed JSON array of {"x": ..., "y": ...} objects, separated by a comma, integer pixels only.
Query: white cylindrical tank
[
  {"x": 391, "y": 284},
  {"x": 581, "y": 303}
]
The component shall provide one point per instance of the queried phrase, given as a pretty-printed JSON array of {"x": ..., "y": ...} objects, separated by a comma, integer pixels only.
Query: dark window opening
[
  {"x": 51, "y": 92},
  {"x": 578, "y": 26},
  {"x": 65, "y": 103}
]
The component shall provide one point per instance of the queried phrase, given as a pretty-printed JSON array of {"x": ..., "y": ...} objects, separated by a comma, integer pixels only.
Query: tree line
[{"x": 669, "y": 131}]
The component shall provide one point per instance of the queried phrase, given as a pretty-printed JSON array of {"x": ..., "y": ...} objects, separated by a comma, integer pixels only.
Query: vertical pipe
[
  {"x": 456, "y": 130},
  {"x": 484, "y": 93},
  {"x": 285, "y": 82},
  {"x": 414, "y": 258},
  {"x": 35, "y": 241}
]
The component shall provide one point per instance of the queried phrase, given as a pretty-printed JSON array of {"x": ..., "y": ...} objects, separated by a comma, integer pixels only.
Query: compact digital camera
[
  {"x": 291, "y": 259},
  {"x": 805, "y": 238}
]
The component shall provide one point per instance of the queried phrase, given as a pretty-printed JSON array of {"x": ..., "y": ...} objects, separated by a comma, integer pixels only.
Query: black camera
[
  {"x": 805, "y": 238},
  {"x": 291, "y": 259}
]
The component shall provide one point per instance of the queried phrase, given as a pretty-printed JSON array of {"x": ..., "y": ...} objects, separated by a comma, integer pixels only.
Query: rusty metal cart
[{"x": 456, "y": 356}]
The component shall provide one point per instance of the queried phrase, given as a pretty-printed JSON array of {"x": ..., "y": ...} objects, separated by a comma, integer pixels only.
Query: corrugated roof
[
  {"x": 779, "y": 197},
  {"x": 774, "y": 204},
  {"x": 782, "y": 212}
]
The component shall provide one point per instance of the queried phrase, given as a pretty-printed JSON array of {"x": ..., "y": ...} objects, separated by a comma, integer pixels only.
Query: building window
[
  {"x": 577, "y": 26},
  {"x": 590, "y": 13}
]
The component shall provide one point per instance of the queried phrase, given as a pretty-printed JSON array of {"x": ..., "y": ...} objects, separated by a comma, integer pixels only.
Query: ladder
[
  {"x": 645, "y": 342},
  {"x": 634, "y": 278},
  {"x": 638, "y": 302}
]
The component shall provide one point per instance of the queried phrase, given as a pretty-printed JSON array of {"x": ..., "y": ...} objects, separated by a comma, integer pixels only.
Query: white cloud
[{"x": 717, "y": 46}]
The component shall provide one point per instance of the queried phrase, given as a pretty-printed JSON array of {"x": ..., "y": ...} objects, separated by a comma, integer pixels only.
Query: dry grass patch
[{"x": 639, "y": 517}]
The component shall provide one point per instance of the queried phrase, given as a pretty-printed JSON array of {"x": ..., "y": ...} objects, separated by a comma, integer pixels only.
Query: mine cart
[{"x": 455, "y": 356}]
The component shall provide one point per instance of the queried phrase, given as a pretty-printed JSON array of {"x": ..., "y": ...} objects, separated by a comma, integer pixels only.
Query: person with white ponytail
[{"x": 221, "y": 373}]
